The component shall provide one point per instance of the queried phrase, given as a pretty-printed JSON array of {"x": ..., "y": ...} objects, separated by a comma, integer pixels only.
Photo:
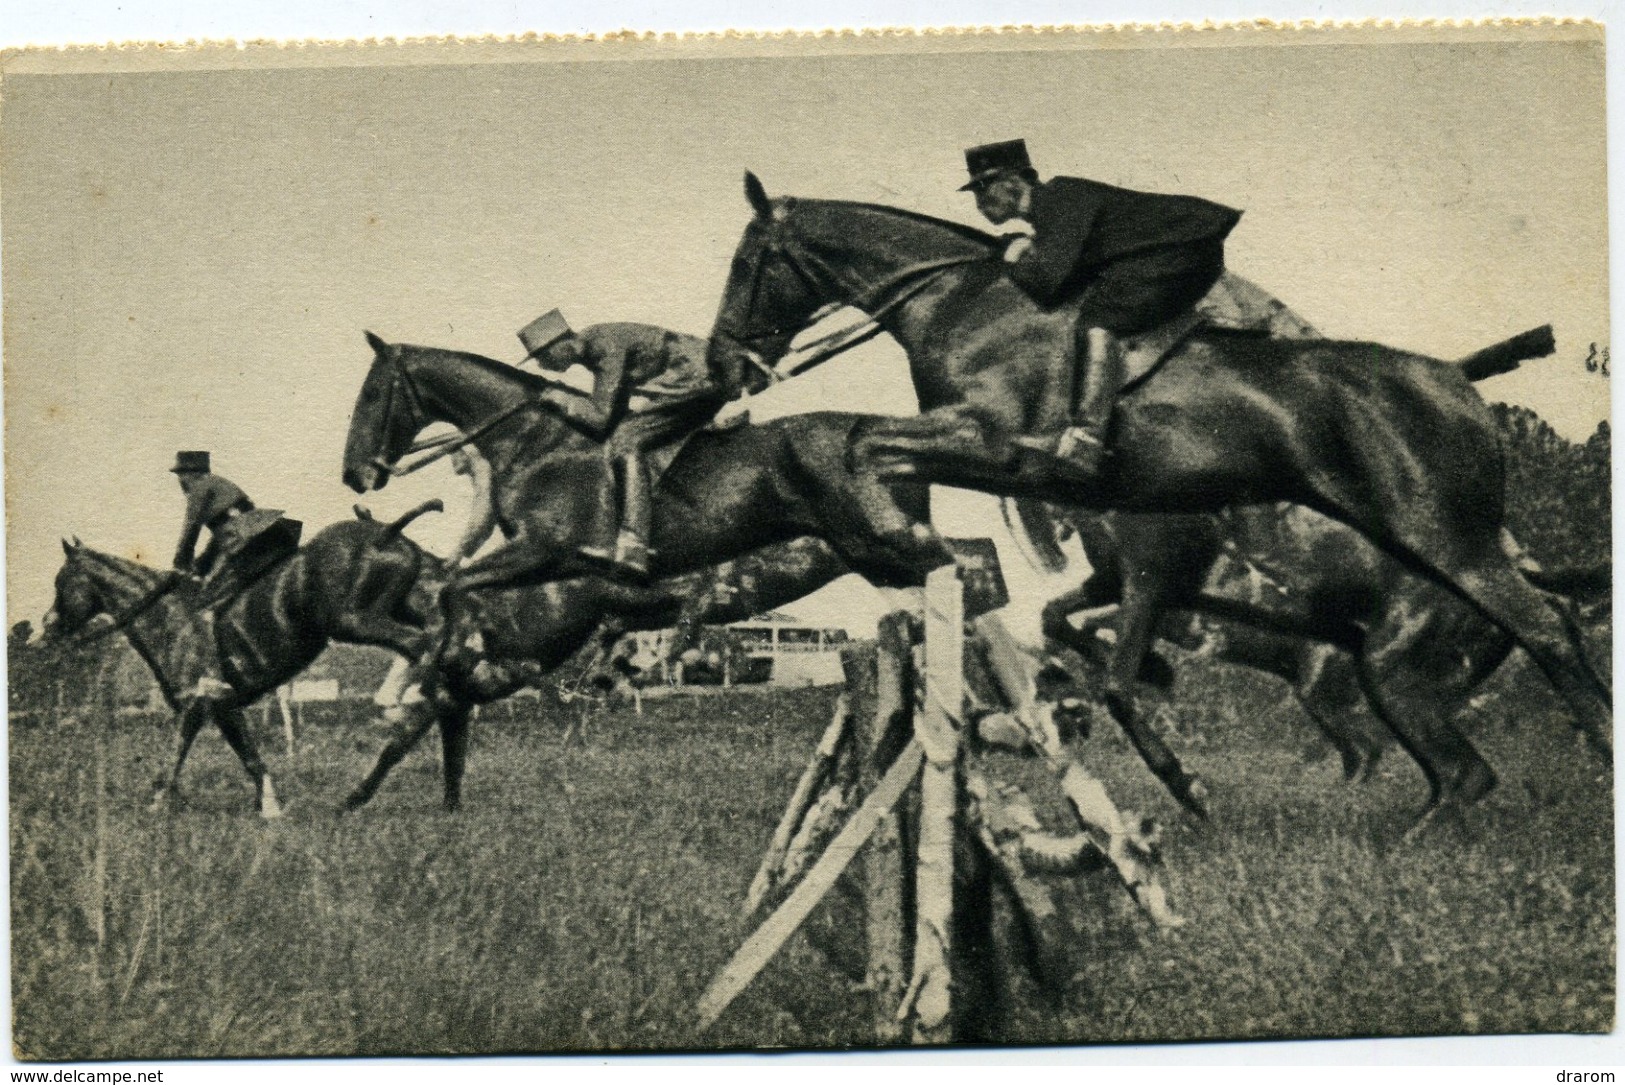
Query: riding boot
[
  {"x": 606, "y": 520},
  {"x": 632, "y": 551},
  {"x": 1083, "y": 445}
]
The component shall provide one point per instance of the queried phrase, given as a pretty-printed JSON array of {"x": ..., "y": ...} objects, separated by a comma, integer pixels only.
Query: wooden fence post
[{"x": 881, "y": 681}]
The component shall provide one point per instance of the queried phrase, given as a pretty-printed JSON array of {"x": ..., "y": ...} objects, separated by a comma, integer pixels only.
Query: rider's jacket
[
  {"x": 209, "y": 503},
  {"x": 641, "y": 360},
  {"x": 1080, "y": 227}
]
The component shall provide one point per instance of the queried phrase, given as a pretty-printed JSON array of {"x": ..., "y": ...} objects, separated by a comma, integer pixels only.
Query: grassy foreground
[{"x": 588, "y": 893}]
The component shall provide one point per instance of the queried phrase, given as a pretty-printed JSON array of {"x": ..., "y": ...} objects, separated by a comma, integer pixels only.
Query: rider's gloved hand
[{"x": 1015, "y": 246}]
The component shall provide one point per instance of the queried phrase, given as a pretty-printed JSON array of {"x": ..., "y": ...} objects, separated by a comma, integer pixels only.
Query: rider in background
[
  {"x": 482, "y": 515},
  {"x": 1130, "y": 260},
  {"x": 482, "y": 522},
  {"x": 212, "y": 501},
  {"x": 650, "y": 387}
]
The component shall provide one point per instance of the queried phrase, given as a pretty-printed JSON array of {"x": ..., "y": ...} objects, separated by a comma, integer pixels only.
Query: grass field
[{"x": 588, "y": 892}]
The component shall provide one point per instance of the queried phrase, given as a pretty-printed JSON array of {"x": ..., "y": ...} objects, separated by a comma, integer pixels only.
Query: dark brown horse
[
  {"x": 1396, "y": 445},
  {"x": 727, "y": 492},
  {"x": 351, "y": 583},
  {"x": 1308, "y": 627},
  {"x": 508, "y": 638}
]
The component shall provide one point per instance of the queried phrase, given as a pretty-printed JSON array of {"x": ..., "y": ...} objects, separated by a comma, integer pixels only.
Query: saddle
[
  {"x": 259, "y": 541},
  {"x": 1233, "y": 304}
]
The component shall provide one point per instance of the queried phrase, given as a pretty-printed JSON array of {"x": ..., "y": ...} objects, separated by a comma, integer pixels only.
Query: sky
[{"x": 189, "y": 259}]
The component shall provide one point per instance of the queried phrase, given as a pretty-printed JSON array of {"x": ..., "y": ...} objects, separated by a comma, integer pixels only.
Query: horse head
[
  {"x": 386, "y": 418},
  {"x": 91, "y": 584},
  {"x": 767, "y": 299},
  {"x": 799, "y": 257},
  {"x": 410, "y": 387}
]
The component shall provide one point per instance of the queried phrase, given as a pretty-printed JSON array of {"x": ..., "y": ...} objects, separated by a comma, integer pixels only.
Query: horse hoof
[{"x": 355, "y": 800}]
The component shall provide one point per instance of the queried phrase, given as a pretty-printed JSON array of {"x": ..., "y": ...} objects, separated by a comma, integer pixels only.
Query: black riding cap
[{"x": 991, "y": 161}]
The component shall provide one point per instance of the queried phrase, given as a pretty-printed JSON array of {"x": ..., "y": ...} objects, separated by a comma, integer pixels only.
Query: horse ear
[
  {"x": 757, "y": 195},
  {"x": 67, "y": 548},
  {"x": 378, "y": 345}
]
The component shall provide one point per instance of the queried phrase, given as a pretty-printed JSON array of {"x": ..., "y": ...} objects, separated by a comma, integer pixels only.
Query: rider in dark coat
[
  {"x": 650, "y": 387},
  {"x": 1129, "y": 260}
]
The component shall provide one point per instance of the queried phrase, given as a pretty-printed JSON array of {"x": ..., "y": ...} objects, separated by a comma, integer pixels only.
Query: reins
[
  {"x": 140, "y": 607},
  {"x": 837, "y": 342},
  {"x": 444, "y": 446}
]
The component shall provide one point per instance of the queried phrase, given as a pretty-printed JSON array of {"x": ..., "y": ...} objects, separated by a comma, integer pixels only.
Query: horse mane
[
  {"x": 958, "y": 229},
  {"x": 144, "y": 577},
  {"x": 533, "y": 384}
]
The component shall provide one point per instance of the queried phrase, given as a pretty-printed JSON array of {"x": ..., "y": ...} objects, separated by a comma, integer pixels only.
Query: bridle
[
  {"x": 438, "y": 448},
  {"x": 166, "y": 583},
  {"x": 878, "y": 301}
]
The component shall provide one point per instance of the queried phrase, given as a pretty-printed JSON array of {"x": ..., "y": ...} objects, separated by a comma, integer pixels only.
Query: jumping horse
[
  {"x": 726, "y": 493},
  {"x": 1328, "y": 586},
  {"x": 353, "y": 582},
  {"x": 1396, "y": 445}
]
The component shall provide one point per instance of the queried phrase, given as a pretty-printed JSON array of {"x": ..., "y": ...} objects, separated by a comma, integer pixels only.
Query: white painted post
[
  {"x": 936, "y": 728},
  {"x": 284, "y": 700}
]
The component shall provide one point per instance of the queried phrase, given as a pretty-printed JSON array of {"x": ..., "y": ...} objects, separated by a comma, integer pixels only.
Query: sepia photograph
[{"x": 717, "y": 543}]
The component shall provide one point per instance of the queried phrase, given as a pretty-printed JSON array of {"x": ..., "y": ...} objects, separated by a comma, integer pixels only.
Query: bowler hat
[
  {"x": 993, "y": 160},
  {"x": 543, "y": 332},
  {"x": 191, "y": 463}
]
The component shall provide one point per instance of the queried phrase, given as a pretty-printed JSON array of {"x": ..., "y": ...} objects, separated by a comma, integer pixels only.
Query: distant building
[
  {"x": 797, "y": 654},
  {"x": 773, "y": 648}
]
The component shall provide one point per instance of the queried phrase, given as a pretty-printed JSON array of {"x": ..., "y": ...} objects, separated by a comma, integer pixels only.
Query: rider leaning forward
[
  {"x": 1129, "y": 260},
  {"x": 650, "y": 387},
  {"x": 212, "y": 501}
]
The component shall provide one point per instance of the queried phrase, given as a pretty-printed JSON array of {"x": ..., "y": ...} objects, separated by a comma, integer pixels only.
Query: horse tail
[
  {"x": 1032, "y": 525},
  {"x": 1507, "y": 355},
  {"x": 395, "y": 527}
]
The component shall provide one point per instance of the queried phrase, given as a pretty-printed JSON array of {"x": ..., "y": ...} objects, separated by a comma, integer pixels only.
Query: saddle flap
[
  {"x": 1232, "y": 304},
  {"x": 1142, "y": 353}
]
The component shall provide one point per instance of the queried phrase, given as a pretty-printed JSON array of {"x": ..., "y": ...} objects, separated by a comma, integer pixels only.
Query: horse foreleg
[
  {"x": 229, "y": 718},
  {"x": 525, "y": 560},
  {"x": 167, "y": 789},
  {"x": 1136, "y": 628},
  {"x": 1328, "y": 687},
  {"x": 378, "y": 626},
  {"x": 407, "y": 733}
]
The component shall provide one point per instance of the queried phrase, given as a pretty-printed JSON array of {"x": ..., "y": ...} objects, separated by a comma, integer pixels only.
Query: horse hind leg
[
  {"x": 453, "y": 717},
  {"x": 1328, "y": 688},
  {"x": 1548, "y": 633},
  {"x": 1418, "y": 706},
  {"x": 1470, "y": 562}
]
